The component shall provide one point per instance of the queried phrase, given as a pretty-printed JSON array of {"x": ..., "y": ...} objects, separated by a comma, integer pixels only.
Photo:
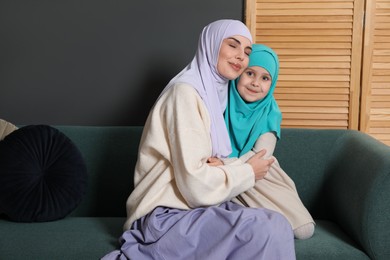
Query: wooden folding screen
[
  {"x": 375, "y": 102},
  {"x": 319, "y": 43}
]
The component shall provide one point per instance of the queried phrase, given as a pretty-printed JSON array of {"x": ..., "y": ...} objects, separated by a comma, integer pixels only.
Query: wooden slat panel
[
  {"x": 378, "y": 104},
  {"x": 316, "y": 123},
  {"x": 304, "y": 1},
  {"x": 312, "y": 90},
  {"x": 318, "y": 46},
  {"x": 381, "y": 92},
  {"x": 274, "y": 12},
  {"x": 317, "y": 110},
  {"x": 313, "y": 52},
  {"x": 295, "y": 26},
  {"x": 312, "y": 103},
  {"x": 375, "y": 112},
  {"x": 305, "y": 5},
  {"x": 326, "y": 78},
  {"x": 312, "y": 84},
  {"x": 307, "y": 39},
  {"x": 312, "y": 97},
  {"x": 315, "y": 58},
  {"x": 380, "y": 130},
  {"x": 306, "y": 18},
  {"x": 312, "y": 45},
  {"x": 379, "y": 124},
  {"x": 323, "y": 65},
  {"x": 315, "y": 116},
  {"x": 284, "y": 32},
  {"x": 315, "y": 71}
]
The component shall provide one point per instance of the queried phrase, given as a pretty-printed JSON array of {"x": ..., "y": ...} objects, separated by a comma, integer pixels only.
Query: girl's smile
[{"x": 254, "y": 84}]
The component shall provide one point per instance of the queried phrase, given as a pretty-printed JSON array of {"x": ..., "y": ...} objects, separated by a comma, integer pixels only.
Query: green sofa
[{"x": 342, "y": 176}]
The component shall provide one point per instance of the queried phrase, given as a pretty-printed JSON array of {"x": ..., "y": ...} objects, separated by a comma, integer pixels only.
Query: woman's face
[
  {"x": 233, "y": 56},
  {"x": 254, "y": 84}
]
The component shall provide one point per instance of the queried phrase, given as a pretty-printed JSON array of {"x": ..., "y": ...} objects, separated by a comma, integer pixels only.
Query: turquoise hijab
[{"x": 247, "y": 121}]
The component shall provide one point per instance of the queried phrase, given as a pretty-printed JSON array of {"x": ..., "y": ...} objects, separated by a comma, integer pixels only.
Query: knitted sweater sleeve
[{"x": 188, "y": 124}]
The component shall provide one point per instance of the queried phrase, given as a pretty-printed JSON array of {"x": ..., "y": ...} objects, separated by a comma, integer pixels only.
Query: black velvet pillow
[{"x": 43, "y": 175}]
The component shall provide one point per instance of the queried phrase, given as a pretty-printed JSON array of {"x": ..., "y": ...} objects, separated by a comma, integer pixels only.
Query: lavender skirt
[{"x": 227, "y": 231}]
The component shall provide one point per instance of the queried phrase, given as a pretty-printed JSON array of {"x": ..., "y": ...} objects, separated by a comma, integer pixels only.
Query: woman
[{"x": 180, "y": 207}]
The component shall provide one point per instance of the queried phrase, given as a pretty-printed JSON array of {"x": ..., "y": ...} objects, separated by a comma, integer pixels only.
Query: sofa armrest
[{"x": 358, "y": 190}]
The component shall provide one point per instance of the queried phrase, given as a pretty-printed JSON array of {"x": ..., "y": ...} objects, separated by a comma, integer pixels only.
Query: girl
[{"x": 253, "y": 120}]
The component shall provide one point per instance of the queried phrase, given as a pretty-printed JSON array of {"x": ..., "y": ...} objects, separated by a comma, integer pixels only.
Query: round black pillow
[{"x": 43, "y": 176}]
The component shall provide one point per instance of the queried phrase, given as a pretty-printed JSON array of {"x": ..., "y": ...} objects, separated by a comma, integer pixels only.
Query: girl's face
[
  {"x": 254, "y": 84},
  {"x": 233, "y": 56}
]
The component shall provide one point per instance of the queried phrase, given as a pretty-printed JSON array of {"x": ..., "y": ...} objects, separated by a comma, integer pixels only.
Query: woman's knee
[{"x": 275, "y": 224}]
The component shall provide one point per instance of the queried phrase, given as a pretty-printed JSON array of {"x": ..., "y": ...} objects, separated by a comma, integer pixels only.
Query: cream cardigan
[{"x": 171, "y": 169}]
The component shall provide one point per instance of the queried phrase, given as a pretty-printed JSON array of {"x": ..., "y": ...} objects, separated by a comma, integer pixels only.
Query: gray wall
[{"x": 96, "y": 62}]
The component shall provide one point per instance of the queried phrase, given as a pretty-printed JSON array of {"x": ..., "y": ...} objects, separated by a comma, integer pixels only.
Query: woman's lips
[{"x": 235, "y": 66}]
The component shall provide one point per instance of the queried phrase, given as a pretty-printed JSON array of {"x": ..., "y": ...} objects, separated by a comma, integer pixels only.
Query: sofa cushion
[
  {"x": 94, "y": 237},
  {"x": 329, "y": 242},
  {"x": 43, "y": 176},
  {"x": 6, "y": 128},
  {"x": 71, "y": 238}
]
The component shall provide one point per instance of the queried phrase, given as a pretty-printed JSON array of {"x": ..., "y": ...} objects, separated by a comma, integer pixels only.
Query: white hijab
[{"x": 202, "y": 74}]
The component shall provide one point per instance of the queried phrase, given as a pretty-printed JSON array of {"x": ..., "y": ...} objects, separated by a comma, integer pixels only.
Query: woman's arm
[{"x": 188, "y": 127}]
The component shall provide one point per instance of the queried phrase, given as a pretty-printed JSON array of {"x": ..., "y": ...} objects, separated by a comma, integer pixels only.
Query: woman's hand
[
  {"x": 214, "y": 161},
  {"x": 260, "y": 166}
]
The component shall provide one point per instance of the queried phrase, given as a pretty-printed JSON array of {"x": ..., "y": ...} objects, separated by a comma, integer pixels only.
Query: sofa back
[
  {"x": 308, "y": 156},
  {"x": 111, "y": 153}
]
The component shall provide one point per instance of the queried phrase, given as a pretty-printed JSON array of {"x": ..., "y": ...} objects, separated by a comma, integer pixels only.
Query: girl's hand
[{"x": 214, "y": 161}]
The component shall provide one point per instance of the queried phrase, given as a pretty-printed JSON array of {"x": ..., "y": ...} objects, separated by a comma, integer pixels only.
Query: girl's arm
[{"x": 266, "y": 141}]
